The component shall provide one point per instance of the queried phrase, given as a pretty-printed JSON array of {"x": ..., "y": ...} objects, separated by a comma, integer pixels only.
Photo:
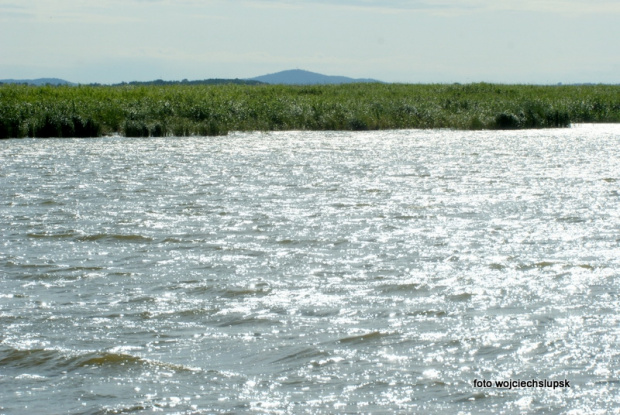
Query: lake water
[{"x": 312, "y": 272}]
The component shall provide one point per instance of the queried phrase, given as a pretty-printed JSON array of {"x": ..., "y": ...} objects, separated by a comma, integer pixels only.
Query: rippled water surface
[{"x": 311, "y": 272}]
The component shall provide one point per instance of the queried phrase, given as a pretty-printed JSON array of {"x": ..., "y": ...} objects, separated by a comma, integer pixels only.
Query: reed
[{"x": 207, "y": 110}]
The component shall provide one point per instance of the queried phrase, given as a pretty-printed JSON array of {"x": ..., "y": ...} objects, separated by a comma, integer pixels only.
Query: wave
[
  {"x": 538, "y": 265},
  {"x": 411, "y": 288},
  {"x": 254, "y": 290},
  {"x": 242, "y": 321},
  {"x": 43, "y": 272},
  {"x": 77, "y": 268},
  {"x": 52, "y": 361},
  {"x": 72, "y": 234},
  {"x": 187, "y": 314},
  {"x": 243, "y": 292},
  {"x": 364, "y": 338},
  {"x": 25, "y": 359},
  {"x": 303, "y": 353},
  {"x": 115, "y": 237},
  {"x": 51, "y": 202},
  {"x": 52, "y": 235}
]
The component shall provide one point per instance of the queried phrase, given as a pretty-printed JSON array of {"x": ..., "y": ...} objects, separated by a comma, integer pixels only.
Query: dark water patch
[
  {"x": 247, "y": 253},
  {"x": 364, "y": 338},
  {"x": 108, "y": 359},
  {"x": 104, "y": 237},
  {"x": 69, "y": 269},
  {"x": 54, "y": 361},
  {"x": 189, "y": 314},
  {"x": 427, "y": 313},
  {"x": 330, "y": 273},
  {"x": 571, "y": 219},
  {"x": 490, "y": 351},
  {"x": 245, "y": 291},
  {"x": 147, "y": 315},
  {"x": 537, "y": 265},
  {"x": 610, "y": 179},
  {"x": 111, "y": 316},
  {"x": 123, "y": 361},
  {"x": 463, "y": 297},
  {"x": 562, "y": 275},
  {"x": 189, "y": 282},
  {"x": 544, "y": 320},
  {"x": 294, "y": 381},
  {"x": 49, "y": 273},
  {"x": 301, "y": 354},
  {"x": 197, "y": 290},
  {"x": 230, "y": 321},
  {"x": 29, "y": 359},
  {"x": 51, "y": 202},
  {"x": 497, "y": 267},
  {"x": 544, "y": 264},
  {"x": 298, "y": 242},
  {"x": 198, "y": 312},
  {"x": 119, "y": 409},
  {"x": 320, "y": 312},
  {"x": 52, "y": 235},
  {"x": 586, "y": 266},
  {"x": 121, "y": 274},
  {"x": 16, "y": 296},
  {"x": 173, "y": 240},
  {"x": 416, "y": 289},
  {"x": 437, "y": 242}
]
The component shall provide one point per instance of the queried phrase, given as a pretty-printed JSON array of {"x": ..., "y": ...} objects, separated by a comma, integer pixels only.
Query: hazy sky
[{"x": 516, "y": 41}]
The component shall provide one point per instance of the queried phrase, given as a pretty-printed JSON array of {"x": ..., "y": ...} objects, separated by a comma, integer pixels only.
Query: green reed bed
[{"x": 206, "y": 110}]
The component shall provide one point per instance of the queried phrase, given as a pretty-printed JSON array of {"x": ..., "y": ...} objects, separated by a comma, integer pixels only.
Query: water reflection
[{"x": 311, "y": 272}]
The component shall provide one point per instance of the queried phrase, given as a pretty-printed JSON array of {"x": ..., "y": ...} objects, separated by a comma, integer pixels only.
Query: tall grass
[{"x": 182, "y": 110}]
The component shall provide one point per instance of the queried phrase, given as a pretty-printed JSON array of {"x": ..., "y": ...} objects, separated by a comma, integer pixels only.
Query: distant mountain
[
  {"x": 39, "y": 81},
  {"x": 56, "y": 81},
  {"x": 290, "y": 77},
  {"x": 301, "y": 77}
]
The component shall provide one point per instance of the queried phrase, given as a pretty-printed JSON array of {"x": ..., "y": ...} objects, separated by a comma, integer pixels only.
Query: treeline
[
  {"x": 211, "y": 81},
  {"x": 183, "y": 110}
]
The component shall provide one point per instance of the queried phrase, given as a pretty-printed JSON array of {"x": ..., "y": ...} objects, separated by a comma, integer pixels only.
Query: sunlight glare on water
[{"x": 311, "y": 272}]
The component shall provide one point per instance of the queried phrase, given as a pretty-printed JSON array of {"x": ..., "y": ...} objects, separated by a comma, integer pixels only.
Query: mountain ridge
[
  {"x": 303, "y": 77},
  {"x": 37, "y": 81},
  {"x": 286, "y": 77}
]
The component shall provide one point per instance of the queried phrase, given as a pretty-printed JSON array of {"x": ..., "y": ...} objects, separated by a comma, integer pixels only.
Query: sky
[{"x": 418, "y": 41}]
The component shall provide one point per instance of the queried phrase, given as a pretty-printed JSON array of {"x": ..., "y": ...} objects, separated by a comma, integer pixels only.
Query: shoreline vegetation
[{"x": 211, "y": 110}]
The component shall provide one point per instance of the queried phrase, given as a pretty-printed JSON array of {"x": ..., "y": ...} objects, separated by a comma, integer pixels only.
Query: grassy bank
[{"x": 181, "y": 110}]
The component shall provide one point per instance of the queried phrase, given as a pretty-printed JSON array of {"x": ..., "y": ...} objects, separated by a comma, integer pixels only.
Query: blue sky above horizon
[{"x": 511, "y": 41}]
